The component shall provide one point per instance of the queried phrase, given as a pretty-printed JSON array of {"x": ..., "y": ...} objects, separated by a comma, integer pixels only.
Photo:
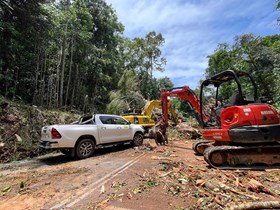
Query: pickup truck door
[
  {"x": 109, "y": 131},
  {"x": 124, "y": 128}
]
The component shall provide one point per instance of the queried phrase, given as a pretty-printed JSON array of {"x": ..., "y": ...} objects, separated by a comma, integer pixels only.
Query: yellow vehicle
[
  {"x": 156, "y": 104},
  {"x": 145, "y": 121},
  {"x": 148, "y": 116}
]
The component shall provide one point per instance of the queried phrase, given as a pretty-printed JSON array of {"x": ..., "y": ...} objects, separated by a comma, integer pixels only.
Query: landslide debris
[{"x": 20, "y": 127}]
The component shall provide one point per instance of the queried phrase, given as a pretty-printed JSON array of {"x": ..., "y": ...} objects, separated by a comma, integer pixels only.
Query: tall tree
[
  {"x": 72, "y": 54},
  {"x": 165, "y": 82},
  {"x": 153, "y": 61},
  {"x": 143, "y": 55},
  {"x": 104, "y": 71},
  {"x": 23, "y": 25}
]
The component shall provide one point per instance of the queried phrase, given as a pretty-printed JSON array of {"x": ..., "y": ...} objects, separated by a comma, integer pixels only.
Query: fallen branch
[
  {"x": 214, "y": 185},
  {"x": 218, "y": 200},
  {"x": 257, "y": 187},
  {"x": 257, "y": 205},
  {"x": 163, "y": 175},
  {"x": 244, "y": 194},
  {"x": 160, "y": 158},
  {"x": 205, "y": 194}
]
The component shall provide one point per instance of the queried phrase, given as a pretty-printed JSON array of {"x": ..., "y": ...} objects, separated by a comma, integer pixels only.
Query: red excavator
[{"x": 241, "y": 133}]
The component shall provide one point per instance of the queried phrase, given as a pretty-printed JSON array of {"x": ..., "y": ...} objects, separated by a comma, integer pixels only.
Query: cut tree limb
[
  {"x": 257, "y": 187},
  {"x": 258, "y": 205}
]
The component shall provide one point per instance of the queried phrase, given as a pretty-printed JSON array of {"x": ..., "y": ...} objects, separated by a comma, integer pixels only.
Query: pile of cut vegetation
[{"x": 20, "y": 127}]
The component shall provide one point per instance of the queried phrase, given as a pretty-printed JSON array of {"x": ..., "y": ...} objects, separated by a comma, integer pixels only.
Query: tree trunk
[
  {"x": 36, "y": 91},
  {"x": 78, "y": 89},
  {"x": 63, "y": 57},
  {"x": 15, "y": 80},
  {"x": 4, "y": 53},
  {"x": 42, "y": 93},
  {"x": 75, "y": 87},
  {"x": 56, "y": 91},
  {"x": 70, "y": 71}
]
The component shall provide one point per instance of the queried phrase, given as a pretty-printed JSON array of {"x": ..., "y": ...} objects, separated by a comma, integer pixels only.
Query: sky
[{"x": 192, "y": 29}]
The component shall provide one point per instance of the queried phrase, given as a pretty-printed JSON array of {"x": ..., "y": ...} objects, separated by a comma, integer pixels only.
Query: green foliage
[
  {"x": 258, "y": 56},
  {"x": 5, "y": 189},
  {"x": 20, "y": 20},
  {"x": 153, "y": 60},
  {"x": 127, "y": 82},
  {"x": 71, "y": 54},
  {"x": 165, "y": 83},
  {"x": 221, "y": 60},
  {"x": 117, "y": 104},
  {"x": 143, "y": 55},
  {"x": 127, "y": 97}
]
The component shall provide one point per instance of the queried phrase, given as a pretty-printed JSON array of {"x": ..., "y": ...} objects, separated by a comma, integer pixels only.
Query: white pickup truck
[{"x": 81, "y": 138}]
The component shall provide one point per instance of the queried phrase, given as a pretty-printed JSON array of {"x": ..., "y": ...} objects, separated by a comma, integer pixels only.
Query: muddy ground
[{"x": 148, "y": 177}]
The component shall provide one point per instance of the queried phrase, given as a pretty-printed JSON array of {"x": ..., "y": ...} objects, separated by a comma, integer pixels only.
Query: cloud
[{"x": 193, "y": 28}]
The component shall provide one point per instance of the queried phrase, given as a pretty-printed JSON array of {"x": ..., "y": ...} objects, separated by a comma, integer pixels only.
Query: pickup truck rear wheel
[
  {"x": 85, "y": 148},
  {"x": 137, "y": 139}
]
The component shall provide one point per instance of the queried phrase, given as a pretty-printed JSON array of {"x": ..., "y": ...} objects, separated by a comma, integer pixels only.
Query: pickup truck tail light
[{"x": 55, "y": 134}]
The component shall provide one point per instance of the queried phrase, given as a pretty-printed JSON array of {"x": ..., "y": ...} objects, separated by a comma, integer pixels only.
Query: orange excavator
[{"x": 243, "y": 133}]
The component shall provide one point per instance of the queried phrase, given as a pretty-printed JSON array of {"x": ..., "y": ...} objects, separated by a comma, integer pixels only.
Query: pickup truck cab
[{"x": 82, "y": 137}]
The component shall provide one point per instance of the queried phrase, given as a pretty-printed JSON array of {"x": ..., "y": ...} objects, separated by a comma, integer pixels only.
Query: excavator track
[
  {"x": 200, "y": 146},
  {"x": 243, "y": 157}
]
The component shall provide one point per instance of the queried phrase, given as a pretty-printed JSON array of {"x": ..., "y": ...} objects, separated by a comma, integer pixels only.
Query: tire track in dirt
[{"x": 70, "y": 202}]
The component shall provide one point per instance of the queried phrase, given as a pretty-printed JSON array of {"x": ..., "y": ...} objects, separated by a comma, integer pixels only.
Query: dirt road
[{"x": 149, "y": 177}]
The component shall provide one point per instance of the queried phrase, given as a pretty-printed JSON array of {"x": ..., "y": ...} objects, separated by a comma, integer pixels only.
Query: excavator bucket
[{"x": 160, "y": 138}]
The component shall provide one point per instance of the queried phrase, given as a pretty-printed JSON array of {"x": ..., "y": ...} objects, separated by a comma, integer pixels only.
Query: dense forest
[
  {"x": 73, "y": 55},
  {"x": 257, "y": 55}
]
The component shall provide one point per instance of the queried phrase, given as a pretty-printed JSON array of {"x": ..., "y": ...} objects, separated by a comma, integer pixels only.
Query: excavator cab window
[
  {"x": 211, "y": 105},
  {"x": 229, "y": 88},
  {"x": 248, "y": 89},
  {"x": 236, "y": 99}
]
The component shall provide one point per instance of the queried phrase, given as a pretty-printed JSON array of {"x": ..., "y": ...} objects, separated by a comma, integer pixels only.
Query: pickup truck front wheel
[
  {"x": 137, "y": 139},
  {"x": 85, "y": 148}
]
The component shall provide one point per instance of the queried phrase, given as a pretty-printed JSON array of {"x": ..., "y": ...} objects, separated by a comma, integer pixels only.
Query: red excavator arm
[{"x": 186, "y": 94}]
